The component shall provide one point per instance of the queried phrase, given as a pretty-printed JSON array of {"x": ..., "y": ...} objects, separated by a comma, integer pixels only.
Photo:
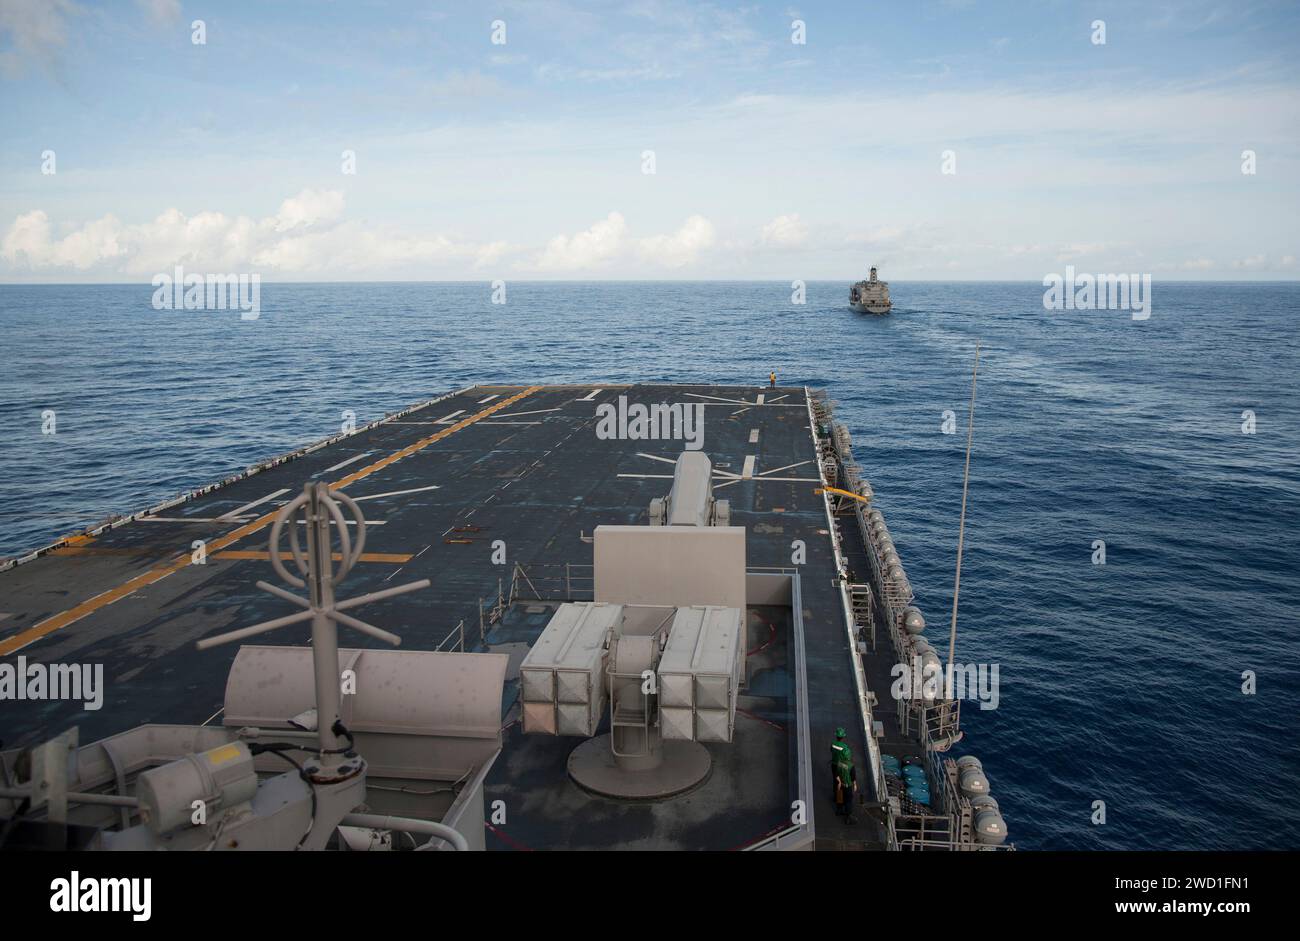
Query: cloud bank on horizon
[{"x": 667, "y": 139}]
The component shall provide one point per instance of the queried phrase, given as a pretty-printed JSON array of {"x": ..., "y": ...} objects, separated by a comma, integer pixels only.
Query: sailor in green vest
[{"x": 844, "y": 774}]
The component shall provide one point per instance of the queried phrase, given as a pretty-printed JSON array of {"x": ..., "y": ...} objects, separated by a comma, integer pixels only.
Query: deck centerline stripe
[{"x": 89, "y": 606}]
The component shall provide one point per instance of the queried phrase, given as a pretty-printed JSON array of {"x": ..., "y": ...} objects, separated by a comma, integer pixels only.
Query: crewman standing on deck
[
  {"x": 845, "y": 776},
  {"x": 771, "y": 380}
]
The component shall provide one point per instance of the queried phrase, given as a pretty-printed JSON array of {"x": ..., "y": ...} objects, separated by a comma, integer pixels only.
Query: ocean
[{"x": 1175, "y": 440}]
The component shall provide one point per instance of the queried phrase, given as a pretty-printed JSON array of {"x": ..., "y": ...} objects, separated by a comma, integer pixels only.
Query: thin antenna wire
[{"x": 961, "y": 528}]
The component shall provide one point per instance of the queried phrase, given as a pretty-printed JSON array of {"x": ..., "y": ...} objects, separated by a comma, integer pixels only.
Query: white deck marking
[
  {"x": 193, "y": 519},
  {"x": 753, "y": 436},
  {"x": 777, "y": 470},
  {"x": 486, "y": 422},
  {"x": 764, "y": 480},
  {"x": 248, "y": 506},
  {"x": 747, "y": 471},
  {"x": 536, "y": 411},
  {"x": 778, "y": 398},
  {"x": 590, "y": 395},
  {"x": 447, "y": 419},
  {"x": 395, "y": 493},
  {"x": 734, "y": 479},
  {"x": 721, "y": 401},
  {"x": 489, "y": 399},
  {"x": 718, "y": 398},
  {"x": 369, "y": 522},
  {"x": 351, "y": 460},
  {"x": 761, "y": 397}
]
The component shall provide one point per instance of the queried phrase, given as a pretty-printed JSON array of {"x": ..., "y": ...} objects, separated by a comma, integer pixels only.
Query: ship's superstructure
[
  {"x": 870, "y": 296},
  {"x": 627, "y": 640}
]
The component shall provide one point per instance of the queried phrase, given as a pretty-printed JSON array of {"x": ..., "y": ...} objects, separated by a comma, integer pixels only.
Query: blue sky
[{"x": 772, "y": 159}]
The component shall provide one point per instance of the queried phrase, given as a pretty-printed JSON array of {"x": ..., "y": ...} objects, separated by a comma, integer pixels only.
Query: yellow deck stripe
[{"x": 91, "y": 605}]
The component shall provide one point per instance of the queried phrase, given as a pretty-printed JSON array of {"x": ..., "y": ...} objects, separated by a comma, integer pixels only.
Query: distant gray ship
[{"x": 870, "y": 296}]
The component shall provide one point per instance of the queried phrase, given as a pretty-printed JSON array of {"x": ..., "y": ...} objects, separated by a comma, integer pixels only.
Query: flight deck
[{"x": 493, "y": 494}]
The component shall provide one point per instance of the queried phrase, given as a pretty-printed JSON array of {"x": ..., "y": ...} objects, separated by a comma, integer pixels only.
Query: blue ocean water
[{"x": 1119, "y": 683}]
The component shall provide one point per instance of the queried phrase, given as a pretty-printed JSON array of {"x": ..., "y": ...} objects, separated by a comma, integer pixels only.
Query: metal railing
[
  {"x": 552, "y": 581},
  {"x": 457, "y": 634}
]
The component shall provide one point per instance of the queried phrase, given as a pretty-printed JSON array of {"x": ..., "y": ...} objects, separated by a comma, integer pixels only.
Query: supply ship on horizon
[
  {"x": 870, "y": 296},
  {"x": 619, "y": 640}
]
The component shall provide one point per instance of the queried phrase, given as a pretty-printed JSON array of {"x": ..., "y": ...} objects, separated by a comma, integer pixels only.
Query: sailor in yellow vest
[{"x": 771, "y": 380}]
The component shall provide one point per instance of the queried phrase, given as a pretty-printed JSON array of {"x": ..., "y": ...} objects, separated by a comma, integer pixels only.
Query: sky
[{"x": 661, "y": 139}]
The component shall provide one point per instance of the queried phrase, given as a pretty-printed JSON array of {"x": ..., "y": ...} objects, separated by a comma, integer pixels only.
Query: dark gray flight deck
[{"x": 439, "y": 485}]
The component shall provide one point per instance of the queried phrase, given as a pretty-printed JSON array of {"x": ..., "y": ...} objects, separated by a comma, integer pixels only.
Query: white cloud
[
  {"x": 1192, "y": 264},
  {"x": 785, "y": 232},
  {"x": 682, "y": 247},
  {"x": 1083, "y": 249},
  {"x": 491, "y": 253},
  {"x": 608, "y": 242},
  {"x": 591, "y": 248},
  {"x": 161, "y": 11},
  {"x": 308, "y": 208},
  {"x": 304, "y": 237},
  {"x": 308, "y": 236},
  {"x": 35, "y": 29},
  {"x": 350, "y": 247},
  {"x": 29, "y": 240}
]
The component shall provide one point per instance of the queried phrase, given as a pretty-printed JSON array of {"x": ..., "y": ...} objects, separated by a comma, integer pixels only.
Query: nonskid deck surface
[{"x": 439, "y": 485}]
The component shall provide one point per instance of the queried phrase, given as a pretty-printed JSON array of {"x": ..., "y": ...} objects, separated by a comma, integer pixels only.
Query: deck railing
[{"x": 552, "y": 581}]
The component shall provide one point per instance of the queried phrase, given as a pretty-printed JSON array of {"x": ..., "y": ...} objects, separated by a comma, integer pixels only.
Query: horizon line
[{"x": 1036, "y": 282}]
